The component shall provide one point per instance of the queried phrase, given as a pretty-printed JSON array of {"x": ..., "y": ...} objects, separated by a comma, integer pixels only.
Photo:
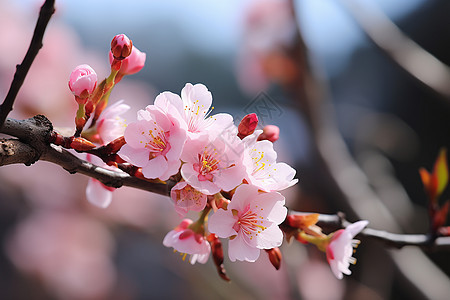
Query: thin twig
[
  {"x": 34, "y": 134},
  {"x": 333, "y": 222},
  {"x": 47, "y": 10}
]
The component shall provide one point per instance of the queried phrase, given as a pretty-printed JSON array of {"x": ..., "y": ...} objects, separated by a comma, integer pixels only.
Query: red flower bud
[
  {"x": 275, "y": 257},
  {"x": 121, "y": 46},
  {"x": 81, "y": 144},
  {"x": 270, "y": 133},
  {"x": 247, "y": 125}
]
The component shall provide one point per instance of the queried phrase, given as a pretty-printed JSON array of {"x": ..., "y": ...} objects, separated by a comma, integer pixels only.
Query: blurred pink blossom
[
  {"x": 111, "y": 124},
  {"x": 69, "y": 252}
]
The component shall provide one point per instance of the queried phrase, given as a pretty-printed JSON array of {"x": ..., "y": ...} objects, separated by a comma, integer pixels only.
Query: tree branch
[
  {"x": 425, "y": 241},
  {"x": 47, "y": 10},
  {"x": 33, "y": 145}
]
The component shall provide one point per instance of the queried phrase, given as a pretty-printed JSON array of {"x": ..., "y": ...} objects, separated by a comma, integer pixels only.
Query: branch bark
[
  {"x": 47, "y": 10},
  {"x": 333, "y": 222},
  {"x": 33, "y": 135}
]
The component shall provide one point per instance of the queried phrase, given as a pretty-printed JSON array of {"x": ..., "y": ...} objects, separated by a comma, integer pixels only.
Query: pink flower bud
[
  {"x": 121, "y": 46},
  {"x": 247, "y": 125},
  {"x": 132, "y": 64},
  {"x": 270, "y": 133},
  {"x": 82, "y": 82}
]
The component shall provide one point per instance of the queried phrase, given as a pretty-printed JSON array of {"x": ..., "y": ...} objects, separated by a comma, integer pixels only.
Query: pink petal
[
  {"x": 137, "y": 157},
  {"x": 356, "y": 227},
  {"x": 97, "y": 194},
  {"x": 136, "y": 134},
  {"x": 270, "y": 238},
  {"x": 221, "y": 122},
  {"x": 191, "y": 177},
  {"x": 170, "y": 102},
  {"x": 238, "y": 249},
  {"x": 243, "y": 197},
  {"x": 221, "y": 223},
  {"x": 155, "y": 167},
  {"x": 177, "y": 140},
  {"x": 230, "y": 178},
  {"x": 158, "y": 116},
  {"x": 191, "y": 93},
  {"x": 172, "y": 169}
]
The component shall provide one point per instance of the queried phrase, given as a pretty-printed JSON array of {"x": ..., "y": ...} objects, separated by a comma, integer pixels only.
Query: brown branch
[
  {"x": 13, "y": 151},
  {"x": 33, "y": 145},
  {"x": 47, "y": 10}
]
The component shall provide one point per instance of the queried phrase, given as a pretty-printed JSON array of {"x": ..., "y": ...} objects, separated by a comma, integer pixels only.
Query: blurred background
[{"x": 359, "y": 111}]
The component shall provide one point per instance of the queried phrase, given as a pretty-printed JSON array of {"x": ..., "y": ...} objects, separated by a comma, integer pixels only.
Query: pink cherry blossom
[
  {"x": 213, "y": 163},
  {"x": 194, "y": 107},
  {"x": 187, "y": 198},
  {"x": 132, "y": 64},
  {"x": 82, "y": 81},
  {"x": 154, "y": 142},
  {"x": 185, "y": 240},
  {"x": 251, "y": 222},
  {"x": 340, "y": 248},
  {"x": 262, "y": 168},
  {"x": 110, "y": 124},
  {"x": 97, "y": 193}
]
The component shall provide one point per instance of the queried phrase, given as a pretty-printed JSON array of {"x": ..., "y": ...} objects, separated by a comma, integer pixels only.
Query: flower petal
[
  {"x": 221, "y": 223},
  {"x": 238, "y": 249},
  {"x": 97, "y": 194}
]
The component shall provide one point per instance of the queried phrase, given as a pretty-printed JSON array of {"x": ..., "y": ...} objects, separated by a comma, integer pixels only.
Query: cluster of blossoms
[{"x": 228, "y": 173}]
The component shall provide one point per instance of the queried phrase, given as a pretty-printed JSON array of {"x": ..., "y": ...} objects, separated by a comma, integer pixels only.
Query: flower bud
[
  {"x": 82, "y": 82},
  {"x": 275, "y": 257},
  {"x": 270, "y": 133},
  {"x": 132, "y": 64},
  {"x": 121, "y": 46},
  {"x": 247, "y": 125},
  {"x": 81, "y": 144}
]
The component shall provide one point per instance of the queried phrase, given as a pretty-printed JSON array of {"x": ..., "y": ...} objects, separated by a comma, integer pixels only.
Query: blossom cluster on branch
[{"x": 227, "y": 173}]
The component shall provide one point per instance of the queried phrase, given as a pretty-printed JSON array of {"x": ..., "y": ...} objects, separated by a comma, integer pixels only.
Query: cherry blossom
[
  {"x": 187, "y": 198},
  {"x": 194, "y": 106},
  {"x": 251, "y": 222},
  {"x": 185, "y": 240},
  {"x": 97, "y": 193},
  {"x": 82, "y": 82},
  {"x": 213, "y": 163},
  {"x": 110, "y": 124},
  {"x": 154, "y": 142},
  {"x": 132, "y": 64},
  {"x": 340, "y": 248},
  {"x": 262, "y": 168}
]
